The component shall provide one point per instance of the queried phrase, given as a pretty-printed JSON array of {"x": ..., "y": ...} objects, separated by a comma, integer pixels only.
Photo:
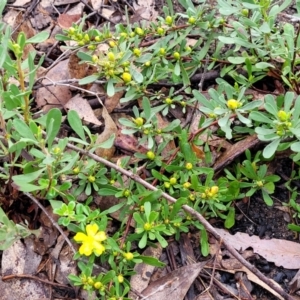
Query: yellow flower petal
[
  {"x": 98, "y": 248},
  {"x": 92, "y": 229},
  {"x": 100, "y": 236},
  {"x": 80, "y": 237},
  {"x": 86, "y": 249}
]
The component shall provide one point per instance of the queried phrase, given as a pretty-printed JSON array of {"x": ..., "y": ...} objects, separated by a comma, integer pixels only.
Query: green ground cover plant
[{"x": 244, "y": 41}]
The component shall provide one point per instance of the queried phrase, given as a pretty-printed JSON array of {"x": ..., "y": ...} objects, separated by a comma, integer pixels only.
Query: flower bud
[
  {"x": 150, "y": 155},
  {"x": 126, "y": 77},
  {"x": 128, "y": 255},
  {"x": 173, "y": 180},
  {"x": 214, "y": 189},
  {"x": 111, "y": 56},
  {"x": 282, "y": 116},
  {"x": 176, "y": 55},
  {"x": 138, "y": 121},
  {"x": 191, "y": 20},
  {"x": 232, "y": 104},
  {"x": 169, "y": 20},
  {"x": 189, "y": 166}
]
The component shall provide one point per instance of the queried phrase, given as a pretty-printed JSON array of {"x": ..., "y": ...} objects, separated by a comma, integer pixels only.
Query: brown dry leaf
[
  {"x": 140, "y": 280},
  {"x": 96, "y": 4},
  {"x": 21, "y": 2},
  {"x": 198, "y": 151},
  {"x": 129, "y": 144},
  {"x": 83, "y": 109},
  {"x": 80, "y": 70},
  {"x": 281, "y": 252},
  {"x": 232, "y": 265},
  {"x": 145, "y": 10},
  {"x": 55, "y": 95},
  {"x": 112, "y": 102},
  {"x": 48, "y": 235},
  {"x": 235, "y": 150},
  {"x": 109, "y": 130},
  {"x": 65, "y": 21},
  {"x": 295, "y": 283},
  {"x": 108, "y": 12},
  {"x": 174, "y": 285}
]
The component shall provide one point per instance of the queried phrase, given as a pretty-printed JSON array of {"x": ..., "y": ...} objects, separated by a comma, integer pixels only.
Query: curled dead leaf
[{"x": 109, "y": 130}]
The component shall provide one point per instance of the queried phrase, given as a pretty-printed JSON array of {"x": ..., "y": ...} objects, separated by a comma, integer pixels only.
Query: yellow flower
[
  {"x": 233, "y": 104},
  {"x": 91, "y": 241}
]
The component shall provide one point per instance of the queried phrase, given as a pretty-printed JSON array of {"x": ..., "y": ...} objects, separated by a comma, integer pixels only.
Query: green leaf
[
  {"x": 153, "y": 196},
  {"x": 146, "y": 107},
  {"x": 271, "y": 148},
  {"x": 110, "y": 89},
  {"x": 260, "y": 117},
  {"x": 143, "y": 241},
  {"x": 247, "y": 170},
  {"x": 268, "y": 200},
  {"x": 2, "y": 6},
  {"x": 113, "y": 209},
  {"x": 108, "y": 143},
  {"x": 151, "y": 261},
  {"x": 38, "y": 38},
  {"x": 204, "y": 243},
  {"x": 161, "y": 240},
  {"x": 295, "y": 147},
  {"x": 22, "y": 128},
  {"x": 137, "y": 76},
  {"x": 84, "y": 56},
  {"x": 69, "y": 166},
  {"x": 263, "y": 65},
  {"x": 147, "y": 208},
  {"x": 137, "y": 217},
  {"x": 269, "y": 187},
  {"x": 53, "y": 123},
  {"x": 236, "y": 41},
  {"x": 177, "y": 69},
  {"x": 237, "y": 60},
  {"x": 88, "y": 79},
  {"x": 55, "y": 204},
  {"x": 184, "y": 75},
  {"x": 75, "y": 122},
  {"x": 202, "y": 99},
  {"x": 270, "y": 105},
  {"x": 251, "y": 105},
  {"x": 230, "y": 219},
  {"x": 243, "y": 119},
  {"x": 288, "y": 100},
  {"x": 294, "y": 227},
  {"x": 29, "y": 177}
]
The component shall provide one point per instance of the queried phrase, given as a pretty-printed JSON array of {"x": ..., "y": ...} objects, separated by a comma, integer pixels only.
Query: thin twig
[
  {"x": 51, "y": 219},
  {"x": 27, "y": 276}
]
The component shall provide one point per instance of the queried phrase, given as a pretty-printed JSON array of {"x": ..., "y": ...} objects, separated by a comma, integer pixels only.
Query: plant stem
[{"x": 23, "y": 89}]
